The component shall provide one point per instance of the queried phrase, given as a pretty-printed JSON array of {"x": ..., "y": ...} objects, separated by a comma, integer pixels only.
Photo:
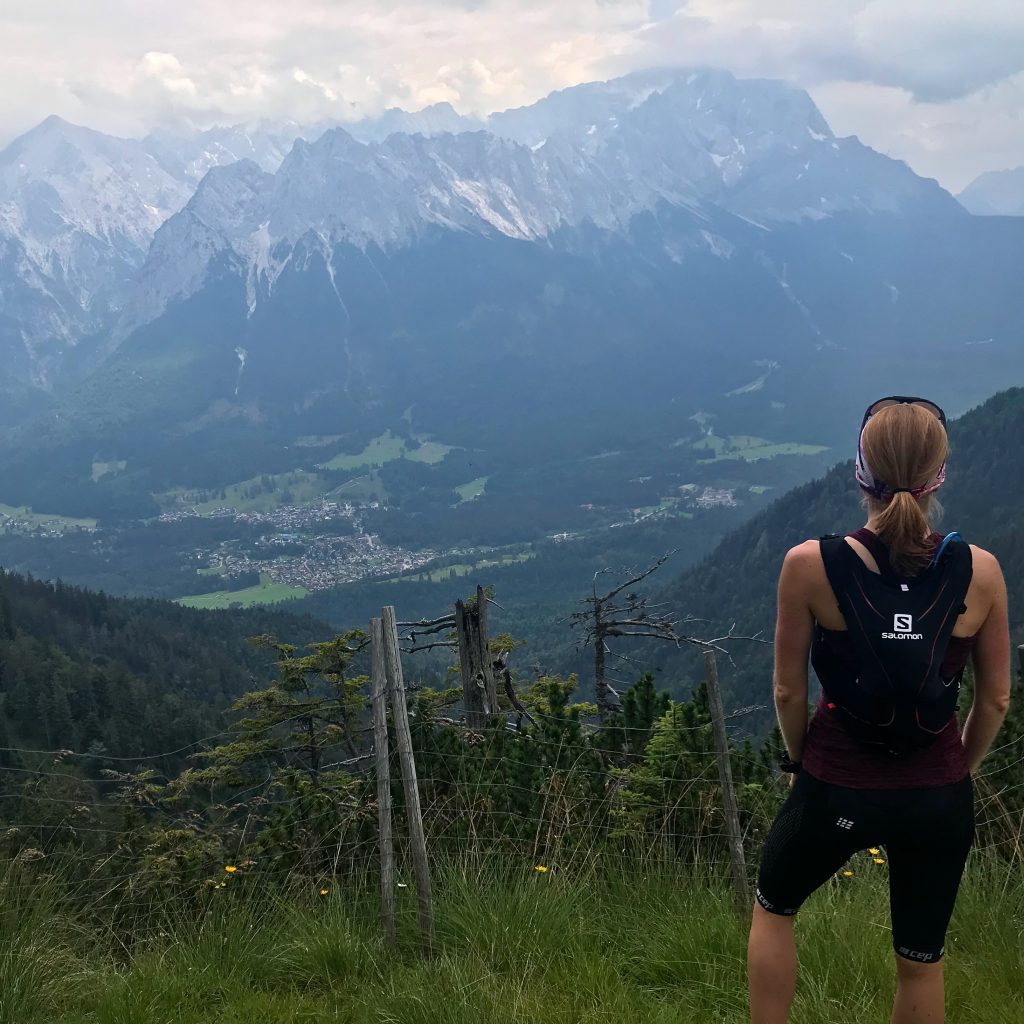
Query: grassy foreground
[{"x": 513, "y": 947}]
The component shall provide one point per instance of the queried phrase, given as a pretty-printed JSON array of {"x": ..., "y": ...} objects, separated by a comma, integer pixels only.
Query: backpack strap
[
  {"x": 835, "y": 555},
  {"x": 950, "y": 538},
  {"x": 954, "y": 558},
  {"x": 878, "y": 550}
]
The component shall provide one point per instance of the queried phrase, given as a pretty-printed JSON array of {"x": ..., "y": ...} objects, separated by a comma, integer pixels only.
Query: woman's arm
[
  {"x": 991, "y": 668},
  {"x": 793, "y": 632}
]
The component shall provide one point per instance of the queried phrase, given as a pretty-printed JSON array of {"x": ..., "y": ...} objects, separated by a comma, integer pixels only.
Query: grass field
[
  {"x": 465, "y": 569},
  {"x": 21, "y": 514},
  {"x": 101, "y": 469},
  {"x": 430, "y": 452},
  {"x": 316, "y": 440},
  {"x": 473, "y": 489},
  {"x": 387, "y": 448},
  {"x": 750, "y": 449},
  {"x": 642, "y": 945},
  {"x": 363, "y": 488},
  {"x": 265, "y": 593},
  {"x": 297, "y": 487}
]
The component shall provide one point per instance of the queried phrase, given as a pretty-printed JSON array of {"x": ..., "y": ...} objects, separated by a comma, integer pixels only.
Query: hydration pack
[{"x": 892, "y": 695}]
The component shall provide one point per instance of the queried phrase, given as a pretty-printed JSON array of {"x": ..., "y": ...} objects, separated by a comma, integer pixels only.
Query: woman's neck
[{"x": 872, "y": 525}]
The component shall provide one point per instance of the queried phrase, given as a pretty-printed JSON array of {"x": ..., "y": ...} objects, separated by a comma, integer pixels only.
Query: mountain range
[
  {"x": 78, "y": 209},
  {"x": 600, "y": 275}
]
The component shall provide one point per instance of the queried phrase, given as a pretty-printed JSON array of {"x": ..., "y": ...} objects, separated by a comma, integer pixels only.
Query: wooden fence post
[
  {"x": 486, "y": 662},
  {"x": 729, "y": 806},
  {"x": 474, "y": 693},
  {"x": 403, "y": 741},
  {"x": 379, "y": 696}
]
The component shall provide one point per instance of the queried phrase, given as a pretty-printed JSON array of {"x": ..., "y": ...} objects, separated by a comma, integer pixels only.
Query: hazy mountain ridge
[
  {"x": 996, "y": 193},
  {"x": 78, "y": 209},
  {"x": 533, "y": 303}
]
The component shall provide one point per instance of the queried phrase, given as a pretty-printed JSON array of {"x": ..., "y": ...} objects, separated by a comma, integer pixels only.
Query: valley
[
  {"x": 348, "y": 513},
  {"x": 328, "y": 363}
]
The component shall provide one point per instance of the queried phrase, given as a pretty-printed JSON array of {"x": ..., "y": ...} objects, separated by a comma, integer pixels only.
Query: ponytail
[{"x": 903, "y": 526}]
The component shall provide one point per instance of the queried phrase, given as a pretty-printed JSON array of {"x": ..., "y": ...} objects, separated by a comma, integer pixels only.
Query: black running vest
[{"x": 891, "y": 694}]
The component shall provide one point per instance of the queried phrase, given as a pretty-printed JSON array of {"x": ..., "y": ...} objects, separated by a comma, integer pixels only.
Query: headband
[{"x": 878, "y": 488}]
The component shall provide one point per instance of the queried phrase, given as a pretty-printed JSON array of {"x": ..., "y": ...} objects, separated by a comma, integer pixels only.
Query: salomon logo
[{"x": 902, "y": 626}]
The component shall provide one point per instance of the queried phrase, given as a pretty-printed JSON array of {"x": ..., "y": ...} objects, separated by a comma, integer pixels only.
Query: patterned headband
[{"x": 879, "y": 488}]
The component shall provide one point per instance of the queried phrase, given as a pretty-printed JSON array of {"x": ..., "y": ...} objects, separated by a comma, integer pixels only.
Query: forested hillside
[
  {"x": 128, "y": 678},
  {"x": 735, "y": 584}
]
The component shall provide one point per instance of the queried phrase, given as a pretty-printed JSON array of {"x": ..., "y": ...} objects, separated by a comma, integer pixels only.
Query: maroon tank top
[{"x": 833, "y": 755}]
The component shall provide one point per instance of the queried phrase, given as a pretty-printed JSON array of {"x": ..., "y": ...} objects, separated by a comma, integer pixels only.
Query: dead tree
[
  {"x": 479, "y": 692},
  {"x": 622, "y": 612}
]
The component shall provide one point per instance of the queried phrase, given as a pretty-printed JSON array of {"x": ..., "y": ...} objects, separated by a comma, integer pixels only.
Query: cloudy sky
[{"x": 938, "y": 83}]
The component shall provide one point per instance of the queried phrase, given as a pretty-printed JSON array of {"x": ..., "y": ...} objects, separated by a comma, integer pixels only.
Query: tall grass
[
  {"x": 37, "y": 959},
  {"x": 514, "y": 946}
]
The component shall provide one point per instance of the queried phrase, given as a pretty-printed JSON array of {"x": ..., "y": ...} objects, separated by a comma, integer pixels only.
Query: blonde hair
[{"x": 904, "y": 445}]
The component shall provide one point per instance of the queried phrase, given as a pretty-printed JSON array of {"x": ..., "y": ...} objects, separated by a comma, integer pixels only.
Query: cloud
[{"x": 936, "y": 82}]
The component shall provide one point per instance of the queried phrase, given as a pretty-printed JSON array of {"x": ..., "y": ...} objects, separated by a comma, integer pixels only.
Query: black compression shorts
[{"x": 926, "y": 834}]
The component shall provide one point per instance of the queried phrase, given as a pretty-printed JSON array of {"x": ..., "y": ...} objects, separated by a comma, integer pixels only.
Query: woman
[{"x": 871, "y": 769}]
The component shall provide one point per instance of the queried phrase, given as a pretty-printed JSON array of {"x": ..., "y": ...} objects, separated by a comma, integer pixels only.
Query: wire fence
[
  {"x": 565, "y": 800},
  {"x": 292, "y": 799}
]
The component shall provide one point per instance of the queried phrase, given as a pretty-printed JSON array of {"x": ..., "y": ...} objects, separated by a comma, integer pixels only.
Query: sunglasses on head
[
  {"x": 884, "y": 403},
  {"x": 867, "y": 480}
]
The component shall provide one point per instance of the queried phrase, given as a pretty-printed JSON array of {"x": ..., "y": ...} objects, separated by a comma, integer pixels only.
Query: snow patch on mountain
[{"x": 96, "y": 230}]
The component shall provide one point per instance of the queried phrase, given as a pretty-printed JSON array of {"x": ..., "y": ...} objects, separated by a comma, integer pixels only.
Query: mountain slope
[
  {"x": 590, "y": 322},
  {"x": 715, "y": 252},
  {"x": 78, "y": 210},
  {"x": 996, "y": 193},
  {"x": 138, "y": 677},
  {"x": 735, "y": 584}
]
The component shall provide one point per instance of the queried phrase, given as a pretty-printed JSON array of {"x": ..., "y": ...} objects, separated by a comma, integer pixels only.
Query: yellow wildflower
[
  {"x": 847, "y": 874},
  {"x": 541, "y": 869},
  {"x": 874, "y": 851},
  {"x": 324, "y": 892},
  {"x": 230, "y": 868},
  {"x": 879, "y": 860}
]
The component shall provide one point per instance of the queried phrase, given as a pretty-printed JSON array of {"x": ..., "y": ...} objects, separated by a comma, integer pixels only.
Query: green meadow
[
  {"x": 473, "y": 489},
  {"x": 265, "y": 592},
  {"x": 466, "y": 568},
  {"x": 23, "y": 515},
  {"x": 750, "y": 449},
  {"x": 387, "y": 448},
  {"x": 632, "y": 943},
  {"x": 259, "y": 494}
]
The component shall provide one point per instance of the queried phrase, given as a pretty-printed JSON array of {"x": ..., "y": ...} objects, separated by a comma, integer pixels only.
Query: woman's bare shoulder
[
  {"x": 803, "y": 557},
  {"x": 986, "y": 565}
]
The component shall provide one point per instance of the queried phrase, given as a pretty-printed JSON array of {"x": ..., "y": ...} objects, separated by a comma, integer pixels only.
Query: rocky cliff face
[{"x": 79, "y": 210}]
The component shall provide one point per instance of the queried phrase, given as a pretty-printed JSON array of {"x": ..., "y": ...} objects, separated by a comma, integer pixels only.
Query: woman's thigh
[
  {"x": 927, "y": 848},
  {"x": 817, "y": 830}
]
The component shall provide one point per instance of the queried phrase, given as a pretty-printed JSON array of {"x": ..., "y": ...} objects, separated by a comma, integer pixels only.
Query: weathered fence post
[
  {"x": 403, "y": 741},
  {"x": 729, "y": 806},
  {"x": 379, "y": 696},
  {"x": 479, "y": 693}
]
